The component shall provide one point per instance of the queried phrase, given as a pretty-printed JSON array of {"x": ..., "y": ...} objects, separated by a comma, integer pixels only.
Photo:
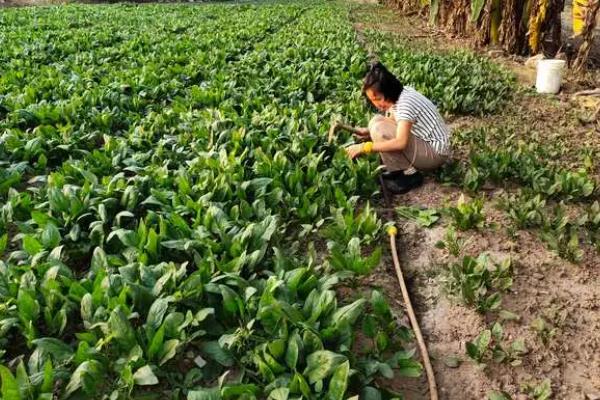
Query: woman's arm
[
  {"x": 356, "y": 130},
  {"x": 359, "y": 133},
  {"x": 399, "y": 143}
]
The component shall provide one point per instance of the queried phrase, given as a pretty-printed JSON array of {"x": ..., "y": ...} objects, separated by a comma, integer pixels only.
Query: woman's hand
[
  {"x": 361, "y": 134},
  {"x": 354, "y": 150}
]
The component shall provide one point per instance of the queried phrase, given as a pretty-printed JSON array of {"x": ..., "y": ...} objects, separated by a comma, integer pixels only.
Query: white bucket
[{"x": 549, "y": 76}]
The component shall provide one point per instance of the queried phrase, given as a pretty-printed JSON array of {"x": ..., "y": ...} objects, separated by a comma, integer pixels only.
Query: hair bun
[{"x": 375, "y": 65}]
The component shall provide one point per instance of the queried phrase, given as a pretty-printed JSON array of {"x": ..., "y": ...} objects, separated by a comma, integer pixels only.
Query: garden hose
[{"x": 392, "y": 232}]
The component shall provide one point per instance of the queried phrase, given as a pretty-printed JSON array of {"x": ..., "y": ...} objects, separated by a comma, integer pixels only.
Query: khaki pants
[{"x": 418, "y": 154}]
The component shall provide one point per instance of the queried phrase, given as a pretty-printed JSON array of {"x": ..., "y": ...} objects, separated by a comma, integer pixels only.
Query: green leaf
[
  {"x": 472, "y": 351},
  {"x": 168, "y": 351},
  {"x": 204, "y": 394},
  {"x": 99, "y": 260},
  {"x": 477, "y": 349},
  {"x": 156, "y": 343},
  {"x": 379, "y": 304},
  {"x": 239, "y": 391},
  {"x": 157, "y": 312},
  {"x": 452, "y": 361},
  {"x": 300, "y": 385},
  {"x": 31, "y": 245},
  {"x": 10, "y": 386},
  {"x": 311, "y": 342},
  {"x": 494, "y": 395},
  {"x": 320, "y": 364},
  {"x": 28, "y": 306},
  {"x": 292, "y": 351},
  {"x": 382, "y": 341},
  {"x": 86, "y": 376},
  {"x": 385, "y": 370},
  {"x": 279, "y": 394},
  {"x": 152, "y": 243},
  {"x": 339, "y": 382},
  {"x": 48, "y": 382},
  {"x": 518, "y": 346},
  {"x": 409, "y": 368},
  {"x": 543, "y": 391},
  {"x": 144, "y": 376},
  {"x": 50, "y": 236},
  {"x": 370, "y": 393},
  {"x": 497, "y": 331},
  {"x": 349, "y": 314},
  {"x": 121, "y": 329},
  {"x": 277, "y": 347},
  {"x": 23, "y": 380},
  {"x": 273, "y": 364},
  {"x": 3, "y": 243},
  {"x": 369, "y": 326},
  {"x": 127, "y": 237},
  {"x": 263, "y": 368},
  {"x": 59, "y": 350},
  {"x": 214, "y": 351},
  {"x": 86, "y": 308},
  {"x": 476, "y": 8},
  {"x": 483, "y": 341},
  {"x": 231, "y": 300},
  {"x": 40, "y": 218}
]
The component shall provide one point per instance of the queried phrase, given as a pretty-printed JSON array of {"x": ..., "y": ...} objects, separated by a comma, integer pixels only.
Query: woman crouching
[{"x": 410, "y": 138}]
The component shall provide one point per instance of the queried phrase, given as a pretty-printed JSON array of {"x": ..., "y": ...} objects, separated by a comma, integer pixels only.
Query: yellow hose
[{"x": 392, "y": 232}]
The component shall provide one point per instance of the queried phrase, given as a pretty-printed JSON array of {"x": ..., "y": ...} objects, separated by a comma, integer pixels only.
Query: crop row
[{"x": 164, "y": 176}]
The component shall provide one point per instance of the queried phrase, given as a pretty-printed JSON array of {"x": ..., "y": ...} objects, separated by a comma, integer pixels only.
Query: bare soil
[{"x": 565, "y": 295}]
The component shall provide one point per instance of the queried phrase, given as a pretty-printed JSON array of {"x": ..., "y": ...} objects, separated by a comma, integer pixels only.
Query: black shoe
[
  {"x": 398, "y": 174},
  {"x": 398, "y": 183}
]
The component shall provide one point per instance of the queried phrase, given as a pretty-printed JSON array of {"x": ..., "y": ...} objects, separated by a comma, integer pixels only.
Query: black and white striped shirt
[{"x": 428, "y": 124}]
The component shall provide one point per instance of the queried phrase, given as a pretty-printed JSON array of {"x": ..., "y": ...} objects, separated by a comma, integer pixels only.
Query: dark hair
[{"x": 382, "y": 81}]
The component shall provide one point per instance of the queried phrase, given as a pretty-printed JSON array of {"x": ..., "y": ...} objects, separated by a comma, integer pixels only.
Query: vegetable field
[
  {"x": 163, "y": 176},
  {"x": 172, "y": 220}
]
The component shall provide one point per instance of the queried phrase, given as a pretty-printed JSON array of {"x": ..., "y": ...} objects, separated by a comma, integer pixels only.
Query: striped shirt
[{"x": 428, "y": 124}]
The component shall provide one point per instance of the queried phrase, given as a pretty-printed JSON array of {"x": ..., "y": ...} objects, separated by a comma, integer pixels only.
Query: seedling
[
  {"x": 425, "y": 217},
  {"x": 453, "y": 243},
  {"x": 538, "y": 391},
  {"x": 525, "y": 209},
  {"x": 489, "y": 346},
  {"x": 479, "y": 282},
  {"x": 467, "y": 214},
  {"x": 495, "y": 395},
  {"x": 544, "y": 331}
]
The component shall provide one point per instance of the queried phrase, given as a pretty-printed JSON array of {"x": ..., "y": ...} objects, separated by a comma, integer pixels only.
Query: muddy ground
[{"x": 565, "y": 295}]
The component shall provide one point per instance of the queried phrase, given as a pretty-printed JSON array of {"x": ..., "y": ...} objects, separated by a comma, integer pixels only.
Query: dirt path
[{"x": 566, "y": 350}]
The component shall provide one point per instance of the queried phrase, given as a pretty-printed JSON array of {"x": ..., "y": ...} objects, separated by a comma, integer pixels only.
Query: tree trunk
[
  {"x": 454, "y": 15},
  {"x": 484, "y": 25},
  {"x": 580, "y": 64},
  {"x": 496, "y": 21},
  {"x": 403, "y": 5},
  {"x": 512, "y": 36},
  {"x": 552, "y": 37},
  {"x": 545, "y": 26}
]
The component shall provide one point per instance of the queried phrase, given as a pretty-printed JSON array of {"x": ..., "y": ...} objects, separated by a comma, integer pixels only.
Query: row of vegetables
[
  {"x": 164, "y": 181},
  {"x": 172, "y": 220}
]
